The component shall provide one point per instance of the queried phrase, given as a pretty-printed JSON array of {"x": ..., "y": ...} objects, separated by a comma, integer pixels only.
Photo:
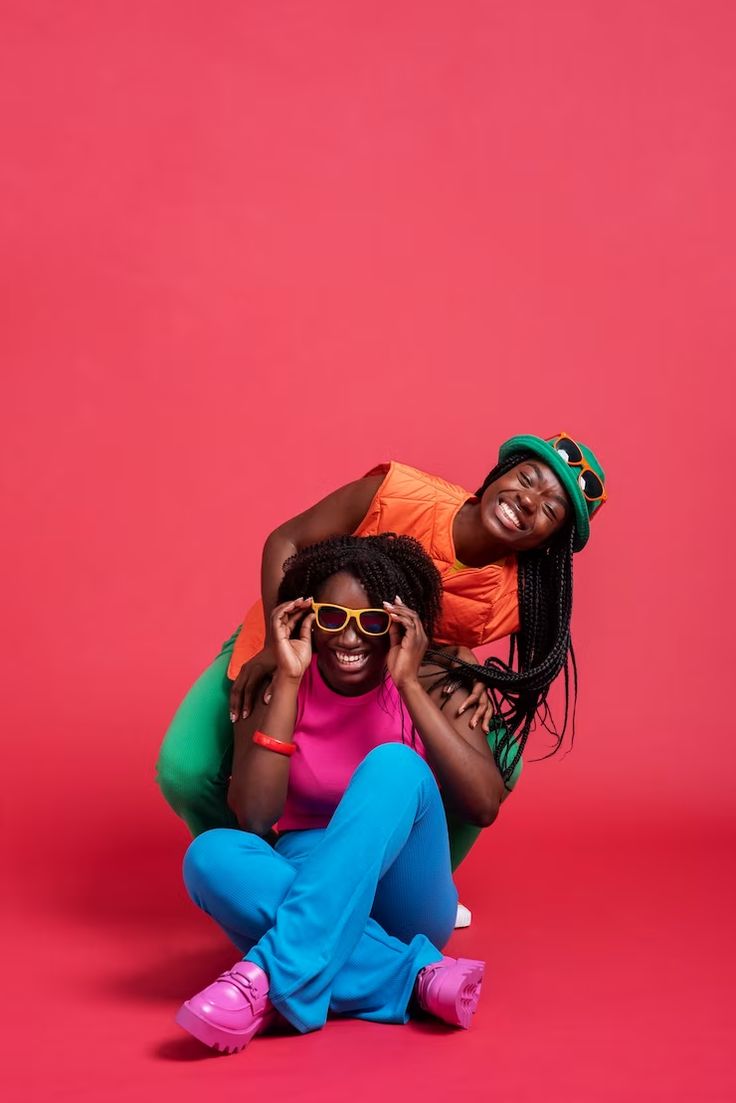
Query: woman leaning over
[{"x": 505, "y": 558}]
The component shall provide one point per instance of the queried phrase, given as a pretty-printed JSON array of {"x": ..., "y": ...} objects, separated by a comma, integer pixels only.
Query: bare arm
[
  {"x": 260, "y": 777},
  {"x": 456, "y": 750},
  {"x": 338, "y": 514}
]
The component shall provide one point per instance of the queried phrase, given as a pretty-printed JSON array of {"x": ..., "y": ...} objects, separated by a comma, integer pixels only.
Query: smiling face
[
  {"x": 524, "y": 508},
  {"x": 350, "y": 662}
]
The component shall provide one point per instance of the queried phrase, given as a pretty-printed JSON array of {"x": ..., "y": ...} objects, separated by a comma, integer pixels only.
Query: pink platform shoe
[
  {"x": 450, "y": 989},
  {"x": 228, "y": 1013}
]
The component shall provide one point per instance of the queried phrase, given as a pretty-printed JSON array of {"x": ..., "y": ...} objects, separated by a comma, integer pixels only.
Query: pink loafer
[{"x": 228, "y": 1013}]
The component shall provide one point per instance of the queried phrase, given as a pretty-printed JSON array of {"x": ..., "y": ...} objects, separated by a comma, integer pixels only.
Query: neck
[{"x": 473, "y": 545}]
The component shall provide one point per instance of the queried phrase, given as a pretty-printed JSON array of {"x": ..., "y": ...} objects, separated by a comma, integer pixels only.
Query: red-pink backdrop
[{"x": 249, "y": 250}]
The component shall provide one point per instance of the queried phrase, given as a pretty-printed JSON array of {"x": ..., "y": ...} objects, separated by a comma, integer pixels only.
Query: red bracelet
[{"x": 272, "y": 744}]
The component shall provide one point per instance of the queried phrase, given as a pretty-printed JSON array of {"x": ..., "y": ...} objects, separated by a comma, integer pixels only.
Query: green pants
[{"x": 195, "y": 760}]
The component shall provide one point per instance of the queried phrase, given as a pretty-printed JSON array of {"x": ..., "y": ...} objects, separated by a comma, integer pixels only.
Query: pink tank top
[{"x": 333, "y": 734}]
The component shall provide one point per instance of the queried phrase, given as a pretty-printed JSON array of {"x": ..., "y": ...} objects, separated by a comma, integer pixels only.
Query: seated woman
[
  {"x": 505, "y": 559},
  {"x": 350, "y": 910}
]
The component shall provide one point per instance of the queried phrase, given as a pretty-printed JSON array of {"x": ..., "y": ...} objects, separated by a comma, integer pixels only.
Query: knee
[
  {"x": 396, "y": 760},
  {"x": 182, "y": 786},
  {"x": 204, "y": 858}
]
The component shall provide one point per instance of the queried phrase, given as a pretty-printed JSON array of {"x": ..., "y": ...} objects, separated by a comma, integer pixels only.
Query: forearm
[
  {"x": 339, "y": 513},
  {"x": 260, "y": 777},
  {"x": 469, "y": 780},
  {"x": 277, "y": 549}
]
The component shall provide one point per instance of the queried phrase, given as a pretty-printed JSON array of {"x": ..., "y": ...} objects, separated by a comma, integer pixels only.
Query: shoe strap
[{"x": 243, "y": 984}]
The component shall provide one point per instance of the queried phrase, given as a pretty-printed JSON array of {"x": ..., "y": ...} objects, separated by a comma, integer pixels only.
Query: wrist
[
  {"x": 409, "y": 683},
  {"x": 283, "y": 682}
]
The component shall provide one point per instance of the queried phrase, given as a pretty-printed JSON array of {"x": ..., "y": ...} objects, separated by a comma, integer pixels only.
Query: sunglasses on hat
[
  {"x": 588, "y": 480},
  {"x": 335, "y": 618}
]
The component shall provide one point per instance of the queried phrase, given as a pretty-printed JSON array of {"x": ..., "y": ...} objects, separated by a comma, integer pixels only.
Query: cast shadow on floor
[{"x": 185, "y": 1049}]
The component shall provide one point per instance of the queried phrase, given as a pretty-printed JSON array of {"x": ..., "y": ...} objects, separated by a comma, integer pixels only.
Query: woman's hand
[
  {"x": 293, "y": 655},
  {"x": 252, "y": 675},
  {"x": 408, "y": 643},
  {"x": 478, "y": 699}
]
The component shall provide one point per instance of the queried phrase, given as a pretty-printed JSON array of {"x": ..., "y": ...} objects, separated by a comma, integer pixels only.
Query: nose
[
  {"x": 349, "y": 636},
  {"x": 527, "y": 499}
]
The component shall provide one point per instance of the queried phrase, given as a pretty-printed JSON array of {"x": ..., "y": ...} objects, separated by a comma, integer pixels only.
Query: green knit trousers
[{"x": 195, "y": 761}]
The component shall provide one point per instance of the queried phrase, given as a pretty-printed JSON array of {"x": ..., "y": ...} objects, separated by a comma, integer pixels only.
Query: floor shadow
[
  {"x": 126, "y": 880},
  {"x": 172, "y": 977},
  {"x": 183, "y": 1049}
]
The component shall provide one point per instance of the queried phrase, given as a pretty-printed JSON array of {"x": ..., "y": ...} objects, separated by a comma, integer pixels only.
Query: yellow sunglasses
[{"x": 335, "y": 618}]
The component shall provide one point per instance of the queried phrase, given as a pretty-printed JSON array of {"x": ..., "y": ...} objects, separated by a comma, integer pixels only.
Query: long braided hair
[
  {"x": 385, "y": 565},
  {"x": 538, "y": 652}
]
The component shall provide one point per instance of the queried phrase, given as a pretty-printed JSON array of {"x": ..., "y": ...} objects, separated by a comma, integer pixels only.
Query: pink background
[{"x": 249, "y": 250}]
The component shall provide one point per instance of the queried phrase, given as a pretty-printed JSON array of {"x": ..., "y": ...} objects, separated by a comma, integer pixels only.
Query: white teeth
[
  {"x": 350, "y": 658},
  {"x": 510, "y": 513}
]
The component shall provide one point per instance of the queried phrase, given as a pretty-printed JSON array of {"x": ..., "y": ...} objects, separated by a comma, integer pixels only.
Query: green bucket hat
[{"x": 567, "y": 466}]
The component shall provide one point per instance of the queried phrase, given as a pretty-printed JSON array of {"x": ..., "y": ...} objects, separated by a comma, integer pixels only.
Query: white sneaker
[{"x": 464, "y": 916}]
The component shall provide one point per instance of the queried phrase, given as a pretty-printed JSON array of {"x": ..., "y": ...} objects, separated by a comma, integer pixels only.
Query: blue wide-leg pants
[{"x": 340, "y": 918}]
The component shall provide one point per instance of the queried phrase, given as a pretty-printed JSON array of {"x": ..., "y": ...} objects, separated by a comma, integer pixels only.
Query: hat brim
[{"x": 566, "y": 474}]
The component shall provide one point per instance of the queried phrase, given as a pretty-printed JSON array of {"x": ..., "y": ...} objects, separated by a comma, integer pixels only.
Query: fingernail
[
  {"x": 474, "y": 723},
  {"x": 267, "y": 700},
  {"x": 386, "y": 603},
  {"x": 233, "y": 717},
  {"x": 245, "y": 714},
  {"x": 398, "y": 600},
  {"x": 461, "y": 710}
]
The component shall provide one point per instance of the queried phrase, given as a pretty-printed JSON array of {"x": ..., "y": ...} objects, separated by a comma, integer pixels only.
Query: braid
[
  {"x": 386, "y": 566},
  {"x": 538, "y": 652}
]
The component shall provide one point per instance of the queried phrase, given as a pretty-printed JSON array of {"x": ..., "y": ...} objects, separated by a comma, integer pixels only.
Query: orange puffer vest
[{"x": 480, "y": 604}]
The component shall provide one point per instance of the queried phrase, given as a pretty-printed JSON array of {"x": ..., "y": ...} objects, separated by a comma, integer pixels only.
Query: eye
[
  {"x": 525, "y": 479},
  {"x": 550, "y": 513}
]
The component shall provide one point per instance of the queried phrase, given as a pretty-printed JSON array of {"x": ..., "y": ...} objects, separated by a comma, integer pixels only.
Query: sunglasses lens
[
  {"x": 569, "y": 451},
  {"x": 374, "y": 622},
  {"x": 332, "y": 618},
  {"x": 591, "y": 486}
]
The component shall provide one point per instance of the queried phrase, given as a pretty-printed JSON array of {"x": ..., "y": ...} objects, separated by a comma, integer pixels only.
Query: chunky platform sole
[
  {"x": 219, "y": 1037},
  {"x": 454, "y": 1003}
]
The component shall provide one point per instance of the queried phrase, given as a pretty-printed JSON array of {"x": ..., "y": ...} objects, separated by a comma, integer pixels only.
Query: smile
[
  {"x": 353, "y": 659},
  {"x": 508, "y": 515}
]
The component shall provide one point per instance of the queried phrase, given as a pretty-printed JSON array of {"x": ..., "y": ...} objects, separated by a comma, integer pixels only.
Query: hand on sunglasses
[
  {"x": 408, "y": 643},
  {"x": 293, "y": 652}
]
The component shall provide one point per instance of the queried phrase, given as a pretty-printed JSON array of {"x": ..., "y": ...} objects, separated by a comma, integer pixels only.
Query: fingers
[
  {"x": 306, "y": 628},
  {"x": 471, "y": 700},
  {"x": 406, "y": 627},
  {"x": 236, "y": 698},
  {"x": 481, "y": 704},
  {"x": 403, "y": 614},
  {"x": 478, "y": 715},
  {"x": 248, "y": 692},
  {"x": 285, "y": 616},
  {"x": 394, "y": 633}
]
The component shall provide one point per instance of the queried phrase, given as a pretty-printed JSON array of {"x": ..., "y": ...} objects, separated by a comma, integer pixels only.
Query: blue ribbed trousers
[{"x": 340, "y": 918}]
